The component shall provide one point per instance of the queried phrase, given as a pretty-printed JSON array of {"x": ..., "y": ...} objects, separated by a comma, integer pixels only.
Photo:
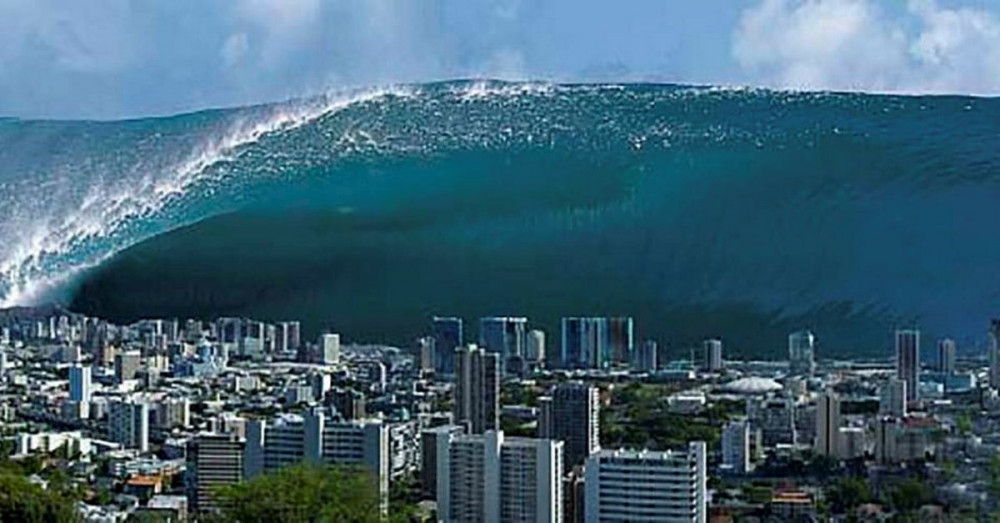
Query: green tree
[
  {"x": 910, "y": 495},
  {"x": 303, "y": 493},
  {"x": 24, "y": 502},
  {"x": 848, "y": 493}
]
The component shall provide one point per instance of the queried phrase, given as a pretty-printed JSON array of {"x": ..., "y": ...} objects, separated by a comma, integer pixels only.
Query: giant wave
[{"x": 702, "y": 212}]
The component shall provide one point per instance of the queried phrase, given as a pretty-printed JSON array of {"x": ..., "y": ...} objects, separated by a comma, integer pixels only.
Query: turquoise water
[{"x": 702, "y": 212}]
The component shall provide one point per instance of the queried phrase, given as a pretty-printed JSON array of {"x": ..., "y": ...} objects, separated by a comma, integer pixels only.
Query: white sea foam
[{"x": 53, "y": 241}]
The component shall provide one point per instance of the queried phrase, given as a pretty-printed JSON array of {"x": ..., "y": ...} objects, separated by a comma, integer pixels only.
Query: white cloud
[{"x": 856, "y": 45}]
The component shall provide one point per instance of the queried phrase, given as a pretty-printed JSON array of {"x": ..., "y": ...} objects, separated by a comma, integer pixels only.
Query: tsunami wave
[
  {"x": 53, "y": 234},
  {"x": 741, "y": 213}
]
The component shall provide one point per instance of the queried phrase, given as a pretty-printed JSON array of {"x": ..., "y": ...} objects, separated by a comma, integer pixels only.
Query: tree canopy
[
  {"x": 22, "y": 501},
  {"x": 302, "y": 493}
]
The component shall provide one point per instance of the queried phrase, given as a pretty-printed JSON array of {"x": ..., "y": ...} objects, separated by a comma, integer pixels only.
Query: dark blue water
[{"x": 701, "y": 212}]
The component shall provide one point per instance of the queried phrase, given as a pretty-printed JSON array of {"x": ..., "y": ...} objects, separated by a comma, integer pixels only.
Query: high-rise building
[
  {"x": 908, "y": 361},
  {"x": 350, "y": 404},
  {"x": 80, "y": 390},
  {"x": 827, "y": 424},
  {"x": 624, "y": 485},
  {"x": 946, "y": 356},
  {"x": 329, "y": 349},
  {"x": 801, "y": 353},
  {"x": 572, "y": 415},
  {"x": 620, "y": 340},
  {"x": 169, "y": 413},
  {"x": 713, "y": 355},
  {"x": 213, "y": 461},
  {"x": 447, "y": 336},
  {"x": 127, "y": 364},
  {"x": 477, "y": 389},
  {"x": 647, "y": 357},
  {"x": 892, "y": 398},
  {"x": 426, "y": 353},
  {"x": 79, "y": 383},
  {"x": 429, "y": 444},
  {"x": 584, "y": 343},
  {"x": 994, "y": 354},
  {"x": 291, "y": 439},
  {"x": 491, "y": 479},
  {"x": 128, "y": 423},
  {"x": 736, "y": 447},
  {"x": 506, "y": 337},
  {"x": 534, "y": 348}
]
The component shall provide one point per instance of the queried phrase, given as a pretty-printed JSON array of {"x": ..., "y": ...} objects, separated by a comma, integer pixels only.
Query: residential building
[
  {"x": 290, "y": 439},
  {"x": 642, "y": 485},
  {"x": 128, "y": 423},
  {"x": 892, "y": 400},
  {"x": 571, "y": 414},
  {"x": 736, "y": 447},
  {"x": 491, "y": 479},
  {"x": 477, "y": 389}
]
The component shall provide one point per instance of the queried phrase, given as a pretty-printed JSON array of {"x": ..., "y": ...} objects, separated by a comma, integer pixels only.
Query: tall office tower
[
  {"x": 213, "y": 461},
  {"x": 946, "y": 356},
  {"x": 230, "y": 332},
  {"x": 429, "y": 444},
  {"x": 994, "y": 355},
  {"x": 620, "y": 340},
  {"x": 827, "y": 424},
  {"x": 892, "y": 400},
  {"x": 128, "y": 423},
  {"x": 713, "y": 355},
  {"x": 534, "y": 348},
  {"x": 291, "y": 439},
  {"x": 572, "y": 415},
  {"x": 329, "y": 349},
  {"x": 647, "y": 357},
  {"x": 477, "y": 389},
  {"x": 488, "y": 478},
  {"x": 506, "y": 337},
  {"x": 642, "y": 485},
  {"x": 447, "y": 334},
  {"x": 126, "y": 365},
  {"x": 801, "y": 353},
  {"x": 3, "y": 362},
  {"x": 736, "y": 447},
  {"x": 908, "y": 361},
  {"x": 584, "y": 343},
  {"x": 80, "y": 389}
]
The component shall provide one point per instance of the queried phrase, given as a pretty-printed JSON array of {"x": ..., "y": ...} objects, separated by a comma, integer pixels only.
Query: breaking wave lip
[
  {"x": 53, "y": 250},
  {"x": 49, "y": 251}
]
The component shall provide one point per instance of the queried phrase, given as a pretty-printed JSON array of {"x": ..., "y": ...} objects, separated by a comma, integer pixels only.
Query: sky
[{"x": 108, "y": 59}]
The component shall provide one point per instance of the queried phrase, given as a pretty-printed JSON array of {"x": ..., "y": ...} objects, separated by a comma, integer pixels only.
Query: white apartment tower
[
  {"x": 624, "y": 485},
  {"x": 491, "y": 479}
]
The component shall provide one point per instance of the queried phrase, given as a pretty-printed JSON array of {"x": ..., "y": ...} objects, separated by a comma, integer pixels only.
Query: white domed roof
[{"x": 752, "y": 385}]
